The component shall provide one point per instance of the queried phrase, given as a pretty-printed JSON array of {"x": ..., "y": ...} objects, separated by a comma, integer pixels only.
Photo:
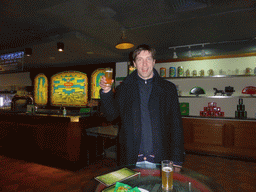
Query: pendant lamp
[{"x": 124, "y": 44}]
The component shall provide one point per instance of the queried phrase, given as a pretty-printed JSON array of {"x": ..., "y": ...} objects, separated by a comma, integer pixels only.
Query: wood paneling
[
  {"x": 245, "y": 136},
  {"x": 47, "y": 139},
  {"x": 225, "y": 137},
  {"x": 208, "y": 134},
  {"x": 188, "y": 132},
  {"x": 228, "y": 135}
]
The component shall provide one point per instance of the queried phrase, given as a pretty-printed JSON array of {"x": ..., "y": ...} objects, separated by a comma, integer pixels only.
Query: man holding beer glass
[{"x": 151, "y": 126}]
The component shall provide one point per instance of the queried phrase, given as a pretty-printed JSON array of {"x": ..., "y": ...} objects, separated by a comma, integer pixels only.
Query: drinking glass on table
[
  {"x": 167, "y": 175},
  {"x": 108, "y": 75}
]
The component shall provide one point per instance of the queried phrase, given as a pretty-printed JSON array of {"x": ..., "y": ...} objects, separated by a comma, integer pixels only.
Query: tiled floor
[{"x": 19, "y": 175}]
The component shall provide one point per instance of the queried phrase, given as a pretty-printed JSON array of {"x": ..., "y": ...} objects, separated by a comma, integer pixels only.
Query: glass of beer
[
  {"x": 108, "y": 75},
  {"x": 167, "y": 175}
]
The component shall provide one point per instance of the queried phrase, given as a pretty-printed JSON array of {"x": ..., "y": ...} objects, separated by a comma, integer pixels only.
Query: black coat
[{"x": 168, "y": 139}]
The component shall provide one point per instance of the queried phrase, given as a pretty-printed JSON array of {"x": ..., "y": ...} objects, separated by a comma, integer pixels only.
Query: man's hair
[{"x": 143, "y": 47}]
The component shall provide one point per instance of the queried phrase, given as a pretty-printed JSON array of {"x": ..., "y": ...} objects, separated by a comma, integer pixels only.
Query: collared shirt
[
  {"x": 149, "y": 158},
  {"x": 146, "y": 146}
]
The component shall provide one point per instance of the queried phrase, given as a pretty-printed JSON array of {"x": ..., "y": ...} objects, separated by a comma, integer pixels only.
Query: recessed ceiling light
[{"x": 60, "y": 46}]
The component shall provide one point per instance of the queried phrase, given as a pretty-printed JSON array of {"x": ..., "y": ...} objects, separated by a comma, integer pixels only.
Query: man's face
[{"x": 144, "y": 63}]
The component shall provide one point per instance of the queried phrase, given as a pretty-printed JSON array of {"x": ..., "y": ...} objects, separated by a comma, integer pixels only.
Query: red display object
[
  {"x": 212, "y": 111},
  {"x": 212, "y": 104},
  {"x": 249, "y": 90}
]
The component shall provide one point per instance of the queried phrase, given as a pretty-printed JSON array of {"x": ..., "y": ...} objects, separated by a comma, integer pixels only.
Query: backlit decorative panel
[
  {"x": 69, "y": 89},
  {"x": 41, "y": 89},
  {"x": 11, "y": 62},
  {"x": 95, "y": 83}
]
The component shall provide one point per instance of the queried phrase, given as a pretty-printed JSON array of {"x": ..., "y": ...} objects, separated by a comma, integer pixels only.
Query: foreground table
[{"x": 185, "y": 180}]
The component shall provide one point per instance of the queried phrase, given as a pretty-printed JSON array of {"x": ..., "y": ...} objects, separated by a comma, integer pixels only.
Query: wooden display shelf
[
  {"x": 220, "y": 97},
  {"x": 214, "y": 76}
]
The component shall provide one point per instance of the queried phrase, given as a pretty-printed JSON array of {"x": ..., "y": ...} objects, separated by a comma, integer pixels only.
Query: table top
[
  {"x": 109, "y": 131},
  {"x": 150, "y": 180}
]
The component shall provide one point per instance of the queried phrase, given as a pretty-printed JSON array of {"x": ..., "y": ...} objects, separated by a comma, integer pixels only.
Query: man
[{"x": 151, "y": 125}]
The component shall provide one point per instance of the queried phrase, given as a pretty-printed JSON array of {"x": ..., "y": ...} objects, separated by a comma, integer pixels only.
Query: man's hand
[
  {"x": 177, "y": 168},
  {"x": 105, "y": 87}
]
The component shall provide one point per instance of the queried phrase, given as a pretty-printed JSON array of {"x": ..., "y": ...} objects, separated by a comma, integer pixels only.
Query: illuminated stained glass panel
[
  {"x": 69, "y": 89},
  {"x": 95, "y": 83},
  {"x": 41, "y": 89}
]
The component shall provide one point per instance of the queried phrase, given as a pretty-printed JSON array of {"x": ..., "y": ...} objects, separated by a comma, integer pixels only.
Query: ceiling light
[
  {"x": 203, "y": 51},
  {"x": 124, "y": 44},
  {"x": 189, "y": 52},
  {"x": 60, "y": 46},
  {"x": 175, "y": 54},
  {"x": 28, "y": 52}
]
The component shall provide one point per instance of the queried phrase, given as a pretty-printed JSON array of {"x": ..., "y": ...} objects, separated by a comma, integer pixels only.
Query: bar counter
[
  {"x": 47, "y": 138},
  {"x": 55, "y": 139}
]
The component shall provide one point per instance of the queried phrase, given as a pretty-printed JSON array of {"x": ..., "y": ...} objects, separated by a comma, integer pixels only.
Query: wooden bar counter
[
  {"x": 47, "y": 139},
  {"x": 57, "y": 140},
  {"x": 221, "y": 136}
]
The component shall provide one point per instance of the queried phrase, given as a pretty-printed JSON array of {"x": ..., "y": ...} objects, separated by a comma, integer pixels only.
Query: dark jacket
[{"x": 168, "y": 139}]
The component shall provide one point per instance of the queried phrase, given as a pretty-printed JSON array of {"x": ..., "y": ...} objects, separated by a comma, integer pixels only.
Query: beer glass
[
  {"x": 108, "y": 75},
  {"x": 167, "y": 175}
]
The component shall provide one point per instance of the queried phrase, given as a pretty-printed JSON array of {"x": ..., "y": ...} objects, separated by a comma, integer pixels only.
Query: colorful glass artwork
[
  {"x": 69, "y": 88},
  {"x": 131, "y": 69},
  {"x": 95, "y": 83},
  {"x": 41, "y": 89}
]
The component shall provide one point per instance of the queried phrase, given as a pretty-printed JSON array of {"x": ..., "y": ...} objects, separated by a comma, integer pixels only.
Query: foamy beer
[
  {"x": 108, "y": 75},
  {"x": 167, "y": 175}
]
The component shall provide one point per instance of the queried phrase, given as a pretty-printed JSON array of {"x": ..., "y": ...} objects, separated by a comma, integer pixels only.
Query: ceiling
[{"x": 91, "y": 29}]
